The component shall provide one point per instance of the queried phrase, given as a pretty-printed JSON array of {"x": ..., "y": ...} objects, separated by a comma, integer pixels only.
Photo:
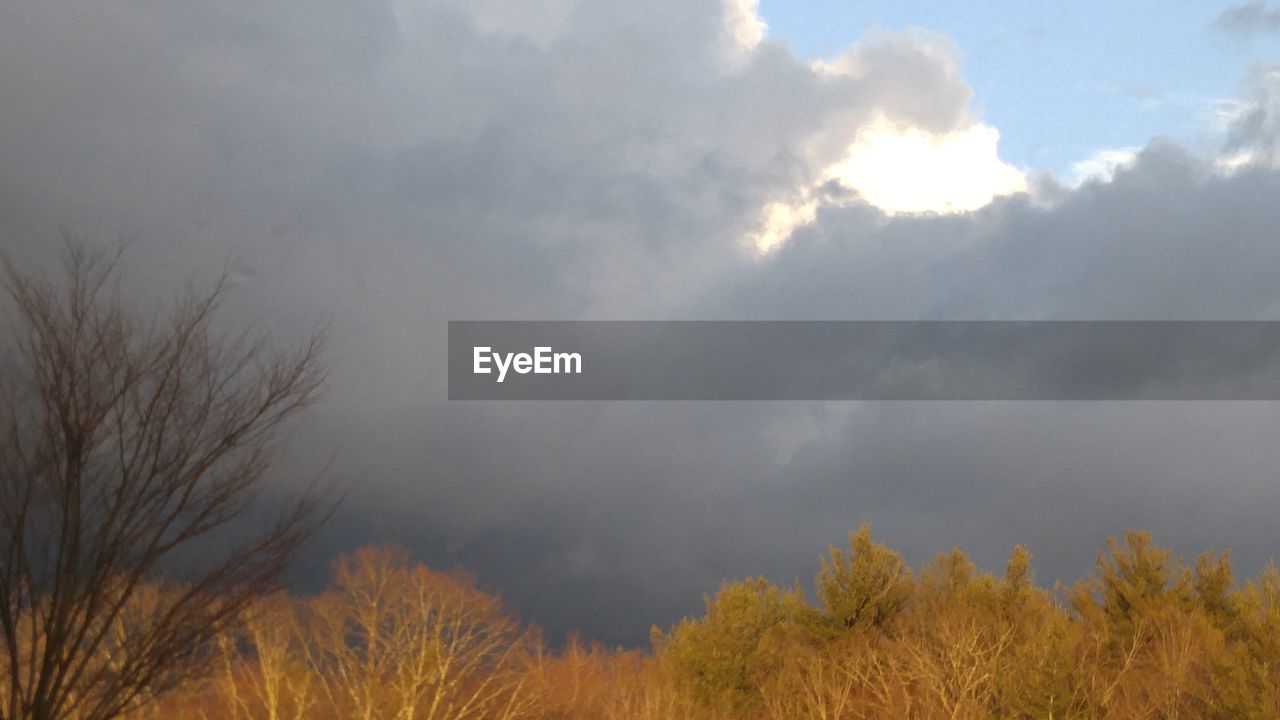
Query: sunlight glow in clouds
[
  {"x": 897, "y": 169},
  {"x": 908, "y": 170}
]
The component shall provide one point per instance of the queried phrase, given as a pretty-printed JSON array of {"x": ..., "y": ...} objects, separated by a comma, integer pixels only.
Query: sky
[
  {"x": 1063, "y": 81},
  {"x": 385, "y": 166}
]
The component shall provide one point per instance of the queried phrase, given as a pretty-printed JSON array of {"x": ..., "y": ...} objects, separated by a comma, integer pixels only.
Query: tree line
[{"x": 1144, "y": 636}]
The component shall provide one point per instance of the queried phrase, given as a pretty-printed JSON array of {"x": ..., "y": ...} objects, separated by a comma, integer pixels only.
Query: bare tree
[
  {"x": 263, "y": 673},
  {"x": 397, "y": 641},
  {"x": 131, "y": 447}
]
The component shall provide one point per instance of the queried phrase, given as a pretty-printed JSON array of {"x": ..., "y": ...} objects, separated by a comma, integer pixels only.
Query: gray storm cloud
[
  {"x": 393, "y": 166},
  {"x": 1248, "y": 19}
]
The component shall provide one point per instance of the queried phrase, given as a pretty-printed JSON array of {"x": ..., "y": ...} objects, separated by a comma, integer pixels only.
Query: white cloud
[
  {"x": 780, "y": 219},
  {"x": 1101, "y": 165},
  {"x": 743, "y": 28},
  {"x": 929, "y": 157}
]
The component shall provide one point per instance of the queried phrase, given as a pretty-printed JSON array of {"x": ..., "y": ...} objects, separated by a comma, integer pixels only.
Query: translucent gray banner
[{"x": 889, "y": 360}]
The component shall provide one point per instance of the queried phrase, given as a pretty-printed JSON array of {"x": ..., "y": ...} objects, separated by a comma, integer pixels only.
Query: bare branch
[{"x": 125, "y": 444}]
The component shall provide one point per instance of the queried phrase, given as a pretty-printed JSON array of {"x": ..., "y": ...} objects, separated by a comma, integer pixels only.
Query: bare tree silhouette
[{"x": 131, "y": 446}]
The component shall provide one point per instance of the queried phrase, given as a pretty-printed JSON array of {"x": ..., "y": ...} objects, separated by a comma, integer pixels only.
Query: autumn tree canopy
[{"x": 1143, "y": 636}]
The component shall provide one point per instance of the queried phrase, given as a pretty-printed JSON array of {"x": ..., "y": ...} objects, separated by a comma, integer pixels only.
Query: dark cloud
[
  {"x": 391, "y": 166},
  {"x": 1249, "y": 19},
  {"x": 1169, "y": 238}
]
